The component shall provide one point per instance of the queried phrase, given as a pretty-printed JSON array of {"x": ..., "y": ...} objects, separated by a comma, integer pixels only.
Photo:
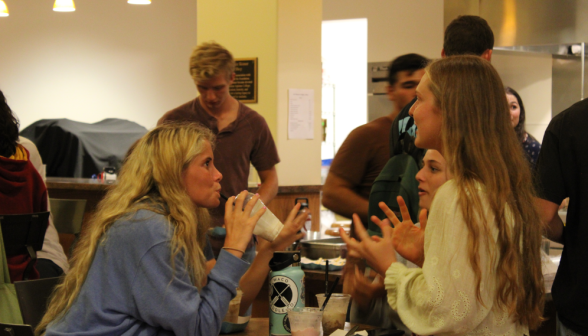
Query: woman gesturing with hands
[
  {"x": 405, "y": 238},
  {"x": 370, "y": 305},
  {"x": 480, "y": 253}
]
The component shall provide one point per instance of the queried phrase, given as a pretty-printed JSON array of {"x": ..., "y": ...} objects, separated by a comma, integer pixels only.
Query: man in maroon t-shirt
[
  {"x": 242, "y": 135},
  {"x": 365, "y": 152}
]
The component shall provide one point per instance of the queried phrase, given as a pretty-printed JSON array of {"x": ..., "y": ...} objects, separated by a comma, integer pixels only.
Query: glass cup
[
  {"x": 335, "y": 312},
  {"x": 268, "y": 226},
  {"x": 305, "y": 321},
  {"x": 233, "y": 312}
]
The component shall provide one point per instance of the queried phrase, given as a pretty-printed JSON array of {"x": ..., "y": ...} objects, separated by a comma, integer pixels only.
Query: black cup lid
[{"x": 283, "y": 259}]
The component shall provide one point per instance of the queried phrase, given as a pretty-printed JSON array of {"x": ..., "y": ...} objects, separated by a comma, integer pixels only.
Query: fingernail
[
  {"x": 256, "y": 194},
  {"x": 265, "y": 207}
]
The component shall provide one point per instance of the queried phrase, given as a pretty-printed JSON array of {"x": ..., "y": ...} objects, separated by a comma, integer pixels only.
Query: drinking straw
[
  {"x": 328, "y": 296},
  {"x": 224, "y": 197},
  {"x": 327, "y": 278}
]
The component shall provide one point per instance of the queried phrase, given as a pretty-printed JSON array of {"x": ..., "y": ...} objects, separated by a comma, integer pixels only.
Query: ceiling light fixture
[
  {"x": 64, "y": 6},
  {"x": 3, "y": 8},
  {"x": 139, "y": 2}
]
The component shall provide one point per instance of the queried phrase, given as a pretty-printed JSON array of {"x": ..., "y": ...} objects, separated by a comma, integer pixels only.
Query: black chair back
[
  {"x": 16, "y": 330},
  {"x": 68, "y": 214},
  {"x": 33, "y": 298},
  {"x": 24, "y": 234}
]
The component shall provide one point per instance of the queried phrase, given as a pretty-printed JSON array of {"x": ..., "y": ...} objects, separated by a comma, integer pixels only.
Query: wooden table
[
  {"x": 256, "y": 326},
  {"x": 260, "y": 327}
]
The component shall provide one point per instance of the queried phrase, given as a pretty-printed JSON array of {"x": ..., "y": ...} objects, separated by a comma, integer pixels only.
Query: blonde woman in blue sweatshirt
[{"x": 139, "y": 268}]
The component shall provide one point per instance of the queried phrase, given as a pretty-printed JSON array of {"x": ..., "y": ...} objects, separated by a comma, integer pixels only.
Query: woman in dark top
[
  {"x": 22, "y": 190},
  {"x": 517, "y": 118}
]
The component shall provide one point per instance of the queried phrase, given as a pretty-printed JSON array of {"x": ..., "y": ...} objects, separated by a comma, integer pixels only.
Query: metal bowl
[{"x": 324, "y": 248}]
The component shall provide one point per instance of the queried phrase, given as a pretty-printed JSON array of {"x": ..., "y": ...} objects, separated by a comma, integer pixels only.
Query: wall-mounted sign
[{"x": 244, "y": 88}]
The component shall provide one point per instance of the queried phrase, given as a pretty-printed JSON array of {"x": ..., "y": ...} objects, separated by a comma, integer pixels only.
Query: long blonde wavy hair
[
  {"x": 481, "y": 148},
  {"x": 151, "y": 178}
]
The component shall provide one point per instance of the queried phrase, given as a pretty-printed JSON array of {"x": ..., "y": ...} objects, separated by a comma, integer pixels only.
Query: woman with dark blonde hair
[
  {"x": 481, "y": 247},
  {"x": 139, "y": 268}
]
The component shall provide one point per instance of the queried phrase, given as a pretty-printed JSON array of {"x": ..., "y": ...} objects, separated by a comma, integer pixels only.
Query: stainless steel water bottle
[{"x": 286, "y": 290}]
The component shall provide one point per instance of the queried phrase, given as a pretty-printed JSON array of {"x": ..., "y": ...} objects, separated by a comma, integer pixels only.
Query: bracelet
[{"x": 233, "y": 249}]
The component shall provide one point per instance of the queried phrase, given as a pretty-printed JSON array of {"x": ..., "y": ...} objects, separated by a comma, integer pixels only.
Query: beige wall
[
  {"x": 285, "y": 37},
  {"x": 454, "y": 8},
  {"x": 395, "y": 27},
  {"x": 248, "y": 29},
  {"x": 530, "y": 75},
  {"x": 108, "y": 59},
  {"x": 299, "y": 67},
  {"x": 111, "y": 59}
]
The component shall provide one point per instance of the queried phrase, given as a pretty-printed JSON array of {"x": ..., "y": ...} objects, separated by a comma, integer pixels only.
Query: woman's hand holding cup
[
  {"x": 239, "y": 223},
  {"x": 289, "y": 234}
]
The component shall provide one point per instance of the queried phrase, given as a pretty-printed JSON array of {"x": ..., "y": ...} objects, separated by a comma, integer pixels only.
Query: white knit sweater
[{"x": 440, "y": 298}]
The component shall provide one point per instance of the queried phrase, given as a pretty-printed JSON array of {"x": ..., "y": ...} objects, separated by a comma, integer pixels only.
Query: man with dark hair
[
  {"x": 365, "y": 151},
  {"x": 561, "y": 173},
  {"x": 402, "y": 75},
  {"x": 466, "y": 35}
]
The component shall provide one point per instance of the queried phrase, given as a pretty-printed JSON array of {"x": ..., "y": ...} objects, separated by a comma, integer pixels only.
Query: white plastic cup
[
  {"x": 268, "y": 226},
  {"x": 305, "y": 321}
]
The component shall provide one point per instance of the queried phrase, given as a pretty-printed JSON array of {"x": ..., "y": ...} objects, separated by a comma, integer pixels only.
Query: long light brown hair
[
  {"x": 481, "y": 148},
  {"x": 151, "y": 178}
]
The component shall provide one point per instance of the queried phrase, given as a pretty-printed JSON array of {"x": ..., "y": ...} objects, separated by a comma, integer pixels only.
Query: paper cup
[
  {"x": 233, "y": 313},
  {"x": 268, "y": 226}
]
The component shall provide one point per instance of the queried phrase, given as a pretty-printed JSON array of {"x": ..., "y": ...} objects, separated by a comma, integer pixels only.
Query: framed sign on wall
[{"x": 244, "y": 88}]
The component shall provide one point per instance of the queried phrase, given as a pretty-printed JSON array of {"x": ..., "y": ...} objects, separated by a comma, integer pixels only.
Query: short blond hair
[{"x": 210, "y": 59}]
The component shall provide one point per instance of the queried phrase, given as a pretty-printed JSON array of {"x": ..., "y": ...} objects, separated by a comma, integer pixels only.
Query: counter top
[
  {"x": 320, "y": 275},
  {"x": 103, "y": 185},
  {"x": 75, "y": 183},
  {"x": 296, "y": 189},
  {"x": 256, "y": 326}
]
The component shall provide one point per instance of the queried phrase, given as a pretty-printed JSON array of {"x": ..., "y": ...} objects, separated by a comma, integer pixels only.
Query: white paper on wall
[{"x": 300, "y": 114}]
